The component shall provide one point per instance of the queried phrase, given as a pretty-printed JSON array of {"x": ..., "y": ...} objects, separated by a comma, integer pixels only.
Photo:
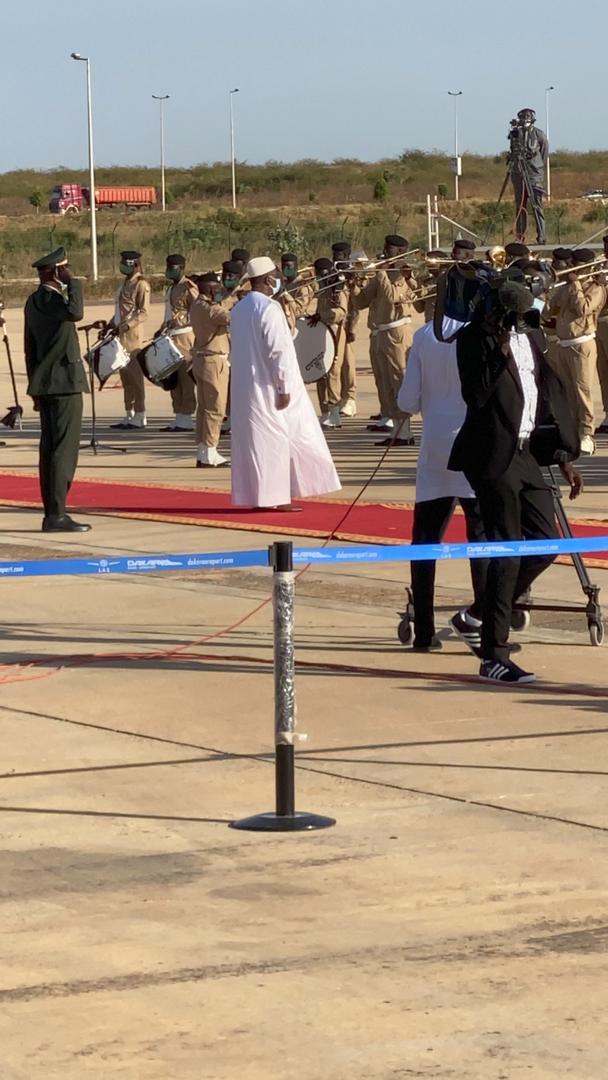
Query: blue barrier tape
[{"x": 227, "y": 560}]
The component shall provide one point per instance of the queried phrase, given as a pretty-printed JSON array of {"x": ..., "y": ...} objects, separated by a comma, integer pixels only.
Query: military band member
[
  {"x": 297, "y": 298},
  {"x": 341, "y": 253},
  {"x": 332, "y": 309},
  {"x": 132, "y": 308},
  {"x": 180, "y": 295},
  {"x": 56, "y": 382},
  {"x": 602, "y": 356},
  {"x": 576, "y": 326},
  {"x": 389, "y": 295},
  {"x": 210, "y": 315}
]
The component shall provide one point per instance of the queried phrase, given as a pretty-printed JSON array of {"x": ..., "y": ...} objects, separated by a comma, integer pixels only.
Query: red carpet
[{"x": 383, "y": 523}]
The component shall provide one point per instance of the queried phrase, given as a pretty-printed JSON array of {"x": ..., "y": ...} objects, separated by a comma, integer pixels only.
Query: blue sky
[{"x": 322, "y": 78}]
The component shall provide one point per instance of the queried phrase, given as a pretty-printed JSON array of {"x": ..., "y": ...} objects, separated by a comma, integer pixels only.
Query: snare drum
[
  {"x": 108, "y": 357},
  {"x": 315, "y": 349},
  {"x": 160, "y": 360}
]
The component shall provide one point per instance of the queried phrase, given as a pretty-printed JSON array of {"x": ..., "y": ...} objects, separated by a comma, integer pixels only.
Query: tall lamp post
[
  {"x": 457, "y": 163},
  {"x": 161, "y": 98},
  {"x": 232, "y": 157},
  {"x": 92, "y": 206},
  {"x": 548, "y": 90}
]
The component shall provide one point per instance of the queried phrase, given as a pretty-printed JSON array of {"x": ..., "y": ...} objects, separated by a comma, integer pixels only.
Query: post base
[{"x": 271, "y": 822}]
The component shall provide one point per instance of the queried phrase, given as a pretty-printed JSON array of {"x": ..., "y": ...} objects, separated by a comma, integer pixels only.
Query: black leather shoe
[
  {"x": 396, "y": 442},
  {"x": 434, "y": 645},
  {"x": 63, "y": 524}
]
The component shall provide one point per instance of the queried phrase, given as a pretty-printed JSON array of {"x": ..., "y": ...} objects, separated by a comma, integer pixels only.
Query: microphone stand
[{"x": 94, "y": 443}]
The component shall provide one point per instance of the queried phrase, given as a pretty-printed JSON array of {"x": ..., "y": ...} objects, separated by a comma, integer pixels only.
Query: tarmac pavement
[{"x": 452, "y": 924}]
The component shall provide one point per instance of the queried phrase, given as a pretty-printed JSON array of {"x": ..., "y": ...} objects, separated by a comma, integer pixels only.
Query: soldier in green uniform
[{"x": 57, "y": 382}]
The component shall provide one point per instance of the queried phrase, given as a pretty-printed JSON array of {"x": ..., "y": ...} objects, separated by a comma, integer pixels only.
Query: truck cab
[{"x": 66, "y": 199}]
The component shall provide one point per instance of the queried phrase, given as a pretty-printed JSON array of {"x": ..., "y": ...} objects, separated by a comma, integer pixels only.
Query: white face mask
[{"x": 277, "y": 286}]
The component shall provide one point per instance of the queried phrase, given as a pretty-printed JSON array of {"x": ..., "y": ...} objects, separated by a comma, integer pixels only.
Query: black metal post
[{"x": 285, "y": 817}]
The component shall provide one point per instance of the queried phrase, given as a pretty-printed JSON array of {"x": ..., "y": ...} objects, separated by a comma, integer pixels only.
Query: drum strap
[{"x": 391, "y": 325}]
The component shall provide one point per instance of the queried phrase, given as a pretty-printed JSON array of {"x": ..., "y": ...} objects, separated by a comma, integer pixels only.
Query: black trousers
[
  {"x": 518, "y": 505},
  {"x": 521, "y": 209},
  {"x": 431, "y": 519},
  {"x": 60, "y": 423}
]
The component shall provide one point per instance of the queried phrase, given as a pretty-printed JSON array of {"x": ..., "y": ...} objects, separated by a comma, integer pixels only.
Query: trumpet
[
  {"x": 600, "y": 263},
  {"x": 497, "y": 256}
]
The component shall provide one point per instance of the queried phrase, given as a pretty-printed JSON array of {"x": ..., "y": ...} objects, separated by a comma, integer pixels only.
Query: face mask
[
  {"x": 276, "y": 287},
  {"x": 230, "y": 283},
  {"x": 125, "y": 268},
  {"x": 218, "y": 296},
  {"x": 289, "y": 272},
  {"x": 173, "y": 273}
]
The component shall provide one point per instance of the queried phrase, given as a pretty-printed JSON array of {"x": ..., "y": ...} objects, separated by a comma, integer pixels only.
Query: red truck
[{"x": 72, "y": 198}]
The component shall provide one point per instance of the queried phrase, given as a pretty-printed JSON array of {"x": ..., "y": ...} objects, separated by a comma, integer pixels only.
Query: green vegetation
[{"x": 302, "y": 206}]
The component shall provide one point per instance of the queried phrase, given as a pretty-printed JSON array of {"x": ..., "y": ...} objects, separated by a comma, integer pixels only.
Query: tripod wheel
[
  {"x": 520, "y": 620},
  {"x": 596, "y": 632},
  {"x": 404, "y": 631}
]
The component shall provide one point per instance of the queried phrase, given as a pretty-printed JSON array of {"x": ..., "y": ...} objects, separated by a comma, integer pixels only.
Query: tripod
[{"x": 94, "y": 443}]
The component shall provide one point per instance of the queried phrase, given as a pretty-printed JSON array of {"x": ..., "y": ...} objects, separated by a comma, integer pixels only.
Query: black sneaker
[
  {"x": 504, "y": 671},
  {"x": 434, "y": 645},
  {"x": 471, "y": 635}
]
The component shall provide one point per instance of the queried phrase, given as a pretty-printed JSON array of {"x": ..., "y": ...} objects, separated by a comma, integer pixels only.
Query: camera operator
[
  {"x": 527, "y": 159},
  {"x": 517, "y": 418}
]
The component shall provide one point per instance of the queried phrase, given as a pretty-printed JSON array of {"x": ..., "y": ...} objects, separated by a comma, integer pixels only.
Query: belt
[
  {"x": 523, "y": 444},
  {"x": 208, "y": 353},
  {"x": 178, "y": 331},
  {"x": 391, "y": 325},
  {"x": 577, "y": 340}
]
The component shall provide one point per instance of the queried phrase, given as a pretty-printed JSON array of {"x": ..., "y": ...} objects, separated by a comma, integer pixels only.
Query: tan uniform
[
  {"x": 389, "y": 298},
  {"x": 179, "y": 298},
  {"x": 132, "y": 308},
  {"x": 348, "y": 376},
  {"x": 550, "y": 314},
  {"x": 210, "y": 365},
  {"x": 332, "y": 308},
  {"x": 577, "y": 351},
  {"x": 602, "y": 355},
  {"x": 297, "y": 301}
]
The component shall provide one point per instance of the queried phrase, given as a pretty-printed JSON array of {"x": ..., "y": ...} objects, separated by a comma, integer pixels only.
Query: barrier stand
[{"x": 285, "y": 818}]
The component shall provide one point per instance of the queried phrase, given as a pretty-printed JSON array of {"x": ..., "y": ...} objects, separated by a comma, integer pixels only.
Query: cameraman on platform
[
  {"x": 517, "y": 419},
  {"x": 527, "y": 159}
]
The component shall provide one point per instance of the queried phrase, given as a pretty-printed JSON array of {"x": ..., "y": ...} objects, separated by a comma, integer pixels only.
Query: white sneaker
[
  {"x": 183, "y": 422},
  {"x": 587, "y": 445},
  {"x": 332, "y": 418},
  {"x": 207, "y": 457},
  {"x": 349, "y": 408},
  {"x": 385, "y": 423},
  {"x": 125, "y": 422},
  {"x": 138, "y": 420}
]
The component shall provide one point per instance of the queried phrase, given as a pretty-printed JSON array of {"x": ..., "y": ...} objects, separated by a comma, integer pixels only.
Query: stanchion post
[{"x": 285, "y": 817}]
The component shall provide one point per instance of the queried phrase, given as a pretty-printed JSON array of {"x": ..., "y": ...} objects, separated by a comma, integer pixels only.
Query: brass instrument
[{"x": 497, "y": 256}]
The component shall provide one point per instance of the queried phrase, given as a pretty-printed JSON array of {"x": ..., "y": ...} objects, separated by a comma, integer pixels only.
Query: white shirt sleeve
[{"x": 410, "y": 392}]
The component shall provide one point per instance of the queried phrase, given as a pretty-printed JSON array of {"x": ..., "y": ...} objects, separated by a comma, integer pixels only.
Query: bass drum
[
  {"x": 315, "y": 349},
  {"x": 160, "y": 361},
  {"x": 108, "y": 357}
]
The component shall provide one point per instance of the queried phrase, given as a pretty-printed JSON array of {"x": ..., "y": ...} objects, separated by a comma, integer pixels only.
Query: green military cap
[{"x": 57, "y": 257}]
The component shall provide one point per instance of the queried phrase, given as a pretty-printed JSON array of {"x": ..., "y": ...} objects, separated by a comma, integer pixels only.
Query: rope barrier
[{"x": 109, "y": 565}]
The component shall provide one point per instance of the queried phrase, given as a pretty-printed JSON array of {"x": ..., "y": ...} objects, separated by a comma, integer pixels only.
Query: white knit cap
[{"x": 257, "y": 268}]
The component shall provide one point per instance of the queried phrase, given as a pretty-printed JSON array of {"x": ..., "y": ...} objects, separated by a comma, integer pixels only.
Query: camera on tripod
[{"x": 518, "y": 140}]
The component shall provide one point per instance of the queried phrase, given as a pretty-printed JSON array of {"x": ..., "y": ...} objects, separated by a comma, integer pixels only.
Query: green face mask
[
  {"x": 230, "y": 283},
  {"x": 290, "y": 272},
  {"x": 173, "y": 273},
  {"x": 125, "y": 268},
  {"x": 218, "y": 296}
]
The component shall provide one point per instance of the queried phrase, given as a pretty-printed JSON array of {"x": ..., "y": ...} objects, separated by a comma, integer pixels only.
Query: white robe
[
  {"x": 276, "y": 454},
  {"x": 431, "y": 386}
]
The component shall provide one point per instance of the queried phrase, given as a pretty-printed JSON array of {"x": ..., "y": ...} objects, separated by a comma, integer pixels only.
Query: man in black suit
[{"x": 517, "y": 418}]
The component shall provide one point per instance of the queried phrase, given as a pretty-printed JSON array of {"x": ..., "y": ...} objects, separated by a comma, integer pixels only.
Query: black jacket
[
  {"x": 52, "y": 351},
  {"x": 487, "y": 441}
]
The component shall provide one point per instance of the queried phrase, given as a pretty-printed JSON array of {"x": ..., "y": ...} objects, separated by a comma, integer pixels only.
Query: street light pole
[
  {"x": 163, "y": 200},
  {"x": 232, "y": 157},
  {"x": 92, "y": 204},
  {"x": 548, "y": 90},
  {"x": 457, "y": 166}
]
